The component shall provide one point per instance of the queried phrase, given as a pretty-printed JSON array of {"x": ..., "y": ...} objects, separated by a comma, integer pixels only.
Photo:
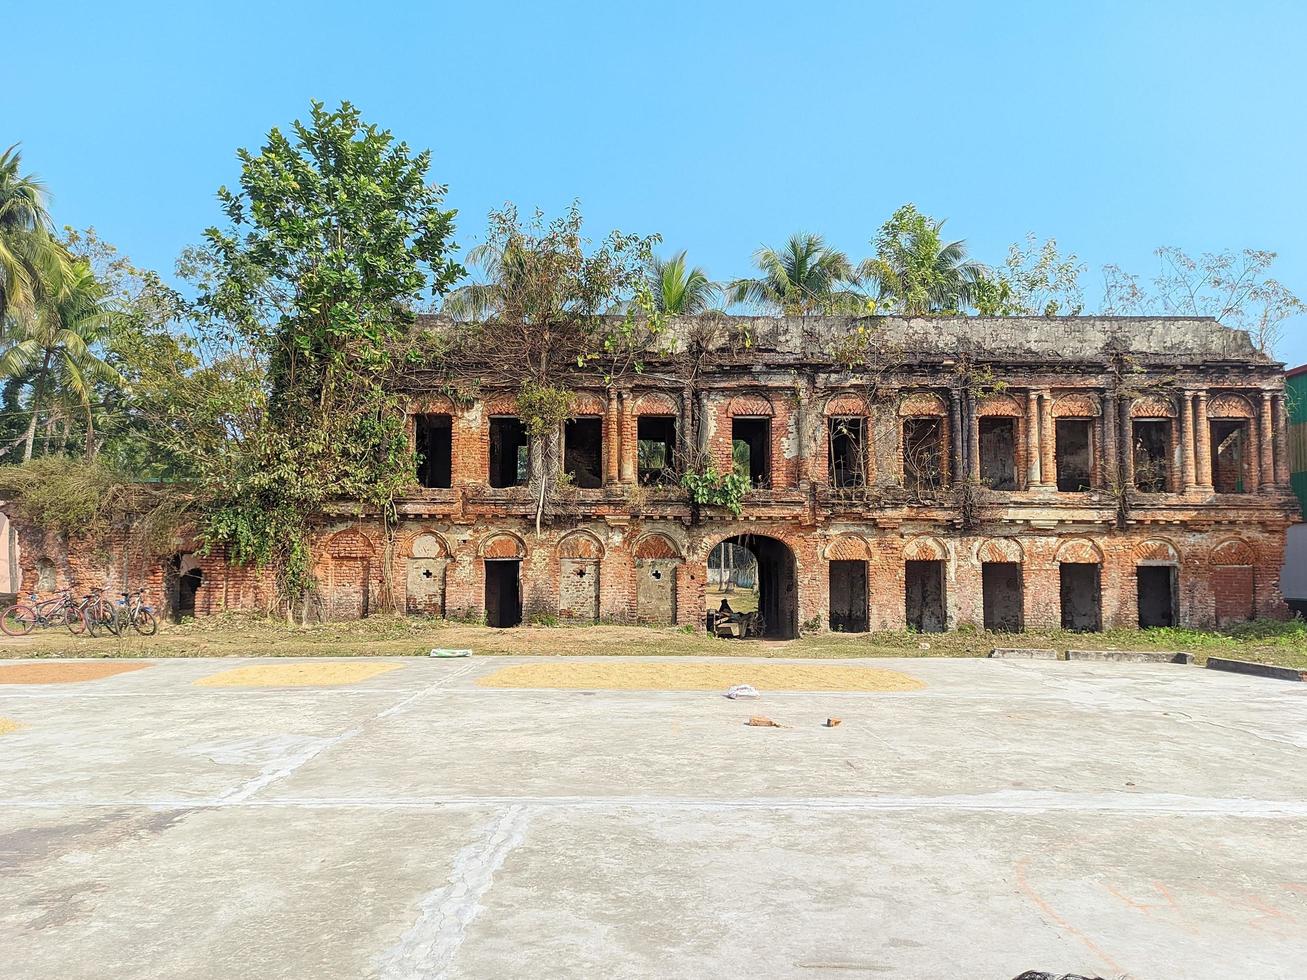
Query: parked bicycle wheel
[
  {"x": 144, "y": 623},
  {"x": 101, "y": 617},
  {"x": 17, "y": 620},
  {"x": 76, "y": 621}
]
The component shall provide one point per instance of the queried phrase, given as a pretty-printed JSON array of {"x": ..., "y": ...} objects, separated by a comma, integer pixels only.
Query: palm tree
[
  {"x": 805, "y": 277},
  {"x": 29, "y": 258},
  {"x": 54, "y": 348},
  {"x": 915, "y": 271},
  {"x": 678, "y": 290}
]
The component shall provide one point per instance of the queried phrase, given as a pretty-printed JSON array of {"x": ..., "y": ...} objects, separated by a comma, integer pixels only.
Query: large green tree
[
  {"x": 31, "y": 261},
  {"x": 55, "y": 352},
  {"x": 803, "y": 278},
  {"x": 335, "y": 236},
  {"x": 915, "y": 271},
  {"x": 679, "y": 289}
]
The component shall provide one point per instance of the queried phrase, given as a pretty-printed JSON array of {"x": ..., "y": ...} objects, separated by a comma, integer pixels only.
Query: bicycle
[
  {"x": 131, "y": 611},
  {"x": 92, "y": 612},
  {"x": 21, "y": 618}
]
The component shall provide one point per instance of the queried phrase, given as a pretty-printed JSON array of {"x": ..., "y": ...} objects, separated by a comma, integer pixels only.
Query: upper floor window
[
  {"x": 998, "y": 452},
  {"x": 510, "y": 453},
  {"x": 923, "y": 456},
  {"x": 1073, "y": 453},
  {"x": 433, "y": 440},
  {"x": 751, "y": 449},
  {"x": 1152, "y": 454},
  {"x": 583, "y": 451},
  {"x": 1230, "y": 456},
  {"x": 848, "y": 448},
  {"x": 655, "y": 447}
]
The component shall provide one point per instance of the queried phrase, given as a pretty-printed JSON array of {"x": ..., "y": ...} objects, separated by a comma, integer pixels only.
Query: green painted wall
[{"x": 1296, "y": 392}]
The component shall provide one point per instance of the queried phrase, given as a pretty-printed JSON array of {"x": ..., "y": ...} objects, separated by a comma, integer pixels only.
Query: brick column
[
  {"x": 1032, "y": 441},
  {"x": 612, "y": 438},
  {"x": 801, "y": 423},
  {"x": 1266, "y": 434},
  {"x": 1047, "y": 440},
  {"x": 684, "y": 437},
  {"x": 1282, "y": 475},
  {"x": 1203, "y": 430},
  {"x": 1127, "y": 444},
  {"x": 1109, "y": 470},
  {"x": 1187, "y": 443},
  {"x": 955, "y": 437},
  {"x": 627, "y": 441},
  {"x": 973, "y": 439}
]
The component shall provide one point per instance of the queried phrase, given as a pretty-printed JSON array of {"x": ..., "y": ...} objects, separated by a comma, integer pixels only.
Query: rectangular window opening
[
  {"x": 1229, "y": 440},
  {"x": 655, "y": 448},
  {"x": 751, "y": 449},
  {"x": 1152, "y": 455},
  {"x": 1082, "y": 597},
  {"x": 1073, "y": 454},
  {"x": 1156, "y": 595},
  {"x": 847, "y": 452},
  {"x": 1001, "y": 589},
  {"x": 583, "y": 452},
  {"x": 924, "y": 595},
  {"x": 433, "y": 439},
  {"x": 510, "y": 453},
  {"x": 998, "y": 453},
  {"x": 923, "y": 463}
]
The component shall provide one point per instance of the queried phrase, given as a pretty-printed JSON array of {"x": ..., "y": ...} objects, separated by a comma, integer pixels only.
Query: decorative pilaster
[
  {"x": 612, "y": 438},
  {"x": 1047, "y": 440},
  {"x": 1127, "y": 444},
  {"x": 625, "y": 424},
  {"x": 1188, "y": 483},
  {"x": 1266, "y": 441},
  {"x": 1109, "y": 474},
  {"x": 955, "y": 437},
  {"x": 1203, "y": 432},
  {"x": 1282, "y": 473},
  {"x": 1032, "y": 441},
  {"x": 973, "y": 438}
]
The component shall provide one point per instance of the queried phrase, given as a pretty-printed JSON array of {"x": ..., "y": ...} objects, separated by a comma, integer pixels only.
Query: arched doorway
[{"x": 756, "y": 573}]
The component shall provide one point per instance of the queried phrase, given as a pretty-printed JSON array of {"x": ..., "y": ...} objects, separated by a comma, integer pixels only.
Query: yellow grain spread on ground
[
  {"x": 38, "y": 672},
  {"x": 661, "y": 676},
  {"x": 296, "y": 675},
  {"x": 8, "y": 725}
]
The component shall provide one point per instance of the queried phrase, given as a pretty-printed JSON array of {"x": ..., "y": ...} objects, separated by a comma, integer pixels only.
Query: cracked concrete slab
[{"x": 1115, "y": 819}]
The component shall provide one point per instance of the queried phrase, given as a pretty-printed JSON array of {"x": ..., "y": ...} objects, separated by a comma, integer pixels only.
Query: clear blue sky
[{"x": 1113, "y": 126}]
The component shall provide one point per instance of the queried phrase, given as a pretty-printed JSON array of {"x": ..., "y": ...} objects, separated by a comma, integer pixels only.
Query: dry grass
[
  {"x": 296, "y": 675},
  {"x": 637, "y": 675},
  {"x": 242, "y": 636},
  {"x": 8, "y": 725},
  {"x": 60, "y": 673}
]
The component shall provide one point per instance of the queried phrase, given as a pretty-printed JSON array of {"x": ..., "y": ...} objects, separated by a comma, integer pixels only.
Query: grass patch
[{"x": 1265, "y": 641}]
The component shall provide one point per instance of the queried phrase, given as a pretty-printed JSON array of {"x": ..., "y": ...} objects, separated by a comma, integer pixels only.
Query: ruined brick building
[{"x": 925, "y": 473}]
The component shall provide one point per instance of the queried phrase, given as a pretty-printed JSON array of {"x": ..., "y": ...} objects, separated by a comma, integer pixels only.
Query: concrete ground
[{"x": 1108, "y": 819}]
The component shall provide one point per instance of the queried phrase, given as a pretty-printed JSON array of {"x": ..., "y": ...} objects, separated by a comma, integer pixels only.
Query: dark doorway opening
[
  {"x": 1001, "y": 589},
  {"x": 1230, "y": 456},
  {"x": 751, "y": 449},
  {"x": 1152, "y": 452},
  {"x": 182, "y": 578},
  {"x": 433, "y": 438},
  {"x": 1082, "y": 597},
  {"x": 510, "y": 464},
  {"x": 503, "y": 592},
  {"x": 998, "y": 457},
  {"x": 1157, "y": 594},
  {"x": 655, "y": 447},
  {"x": 848, "y": 596},
  {"x": 847, "y": 451},
  {"x": 771, "y": 577},
  {"x": 922, "y": 456},
  {"x": 924, "y": 596},
  {"x": 583, "y": 451},
  {"x": 1073, "y": 454}
]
